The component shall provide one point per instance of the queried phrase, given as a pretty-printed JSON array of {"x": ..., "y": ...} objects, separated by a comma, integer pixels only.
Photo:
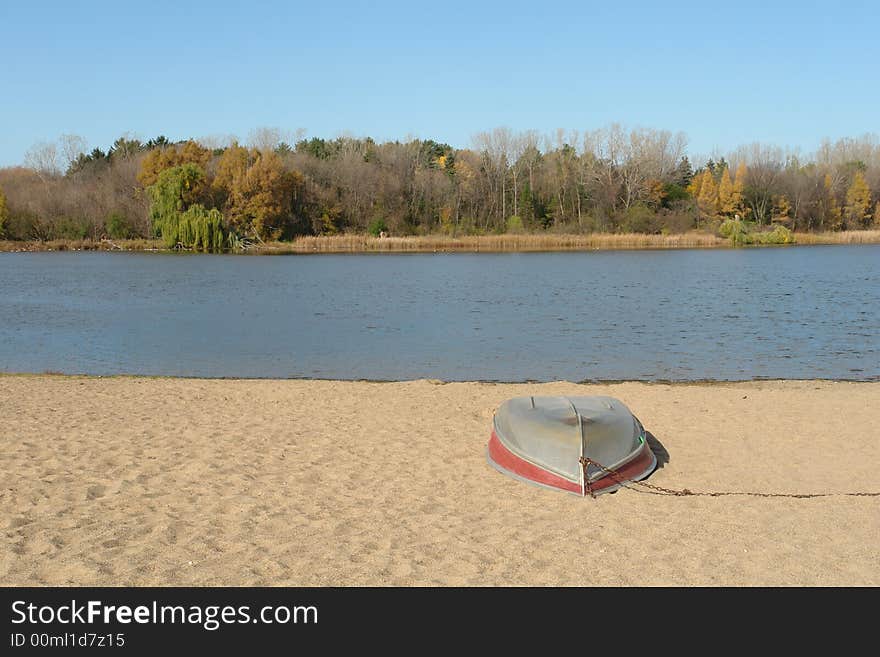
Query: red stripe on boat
[
  {"x": 506, "y": 459},
  {"x": 512, "y": 463}
]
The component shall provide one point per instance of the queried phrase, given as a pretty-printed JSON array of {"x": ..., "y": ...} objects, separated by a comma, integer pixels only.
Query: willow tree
[
  {"x": 202, "y": 229},
  {"x": 177, "y": 218}
]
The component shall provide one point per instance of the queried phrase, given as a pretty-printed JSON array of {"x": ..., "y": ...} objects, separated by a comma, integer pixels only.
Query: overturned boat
[{"x": 584, "y": 445}]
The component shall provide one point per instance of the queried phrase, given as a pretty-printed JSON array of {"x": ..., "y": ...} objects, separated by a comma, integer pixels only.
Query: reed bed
[
  {"x": 842, "y": 237},
  {"x": 83, "y": 245},
  {"x": 493, "y": 243},
  {"x": 361, "y": 243}
]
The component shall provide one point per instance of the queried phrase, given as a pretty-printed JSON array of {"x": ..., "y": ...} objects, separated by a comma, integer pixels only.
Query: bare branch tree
[
  {"x": 72, "y": 146},
  {"x": 268, "y": 138},
  {"x": 42, "y": 157}
]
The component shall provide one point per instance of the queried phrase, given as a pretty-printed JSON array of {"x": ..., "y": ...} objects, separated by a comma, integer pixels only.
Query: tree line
[{"x": 209, "y": 196}]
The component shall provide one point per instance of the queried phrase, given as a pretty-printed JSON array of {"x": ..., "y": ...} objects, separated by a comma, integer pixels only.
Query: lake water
[{"x": 797, "y": 312}]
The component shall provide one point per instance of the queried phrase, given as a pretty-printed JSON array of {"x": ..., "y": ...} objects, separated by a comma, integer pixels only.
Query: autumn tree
[
  {"x": 693, "y": 187},
  {"x": 739, "y": 185},
  {"x": 857, "y": 211},
  {"x": 265, "y": 196},
  {"x": 708, "y": 198},
  {"x": 165, "y": 157},
  {"x": 781, "y": 208},
  {"x": 258, "y": 193},
  {"x": 725, "y": 194}
]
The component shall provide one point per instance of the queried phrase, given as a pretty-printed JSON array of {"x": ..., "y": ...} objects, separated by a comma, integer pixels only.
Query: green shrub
[
  {"x": 377, "y": 226},
  {"x": 118, "y": 227},
  {"x": 21, "y": 226},
  {"x": 515, "y": 224},
  {"x": 71, "y": 229},
  {"x": 639, "y": 218},
  {"x": 740, "y": 233},
  {"x": 779, "y": 235},
  {"x": 735, "y": 230}
]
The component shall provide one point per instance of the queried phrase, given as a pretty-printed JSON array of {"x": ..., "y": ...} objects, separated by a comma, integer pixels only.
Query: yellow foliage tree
[
  {"x": 739, "y": 186},
  {"x": 781, "y": 208},
  {"x": 231, "y": 169},
  {"x": 693, "y": 187},
  {"x": 447, "y": 225},
  {"x": 725, "y": 194},
  {"x": 708, "y": 198},
  {"x": 159, "y": 159},
  {"x": 267, "y": 191},
  {"x": 858, "y": 203},
  {"x": 877, "y": 215},
  {"x": 655, "y": 192},
  {"x": 256, "y": 191}
]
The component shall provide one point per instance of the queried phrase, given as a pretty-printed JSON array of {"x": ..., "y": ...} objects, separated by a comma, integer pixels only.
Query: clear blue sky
[{"x": 725, "y": 73}]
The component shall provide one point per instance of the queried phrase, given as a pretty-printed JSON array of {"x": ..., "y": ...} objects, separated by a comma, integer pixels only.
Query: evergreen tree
[
  {"x": 125, "y": 148},
  {"x": 684, "y": 173}
]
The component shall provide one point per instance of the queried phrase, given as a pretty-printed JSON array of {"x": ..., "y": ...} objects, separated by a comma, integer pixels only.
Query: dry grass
[
  {"x": 490, "y": 243},
  {"x": 83, "y": 245},
  {"x": 359, "y": 243},
  {"x": 539, "y": 242},
  {"x": 842, "y": 237}
]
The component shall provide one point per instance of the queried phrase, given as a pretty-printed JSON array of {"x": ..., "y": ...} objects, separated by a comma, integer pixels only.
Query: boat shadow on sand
[{"x": 659, "y": 450}]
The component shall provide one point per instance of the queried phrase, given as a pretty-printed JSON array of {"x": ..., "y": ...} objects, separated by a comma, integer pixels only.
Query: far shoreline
[
  {"x": 443, "y": 382},
  {"x": 506, "y": 243}
]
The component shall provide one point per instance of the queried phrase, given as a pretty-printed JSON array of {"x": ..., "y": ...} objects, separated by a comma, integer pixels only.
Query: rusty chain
[{"x": 685, "y": 492}]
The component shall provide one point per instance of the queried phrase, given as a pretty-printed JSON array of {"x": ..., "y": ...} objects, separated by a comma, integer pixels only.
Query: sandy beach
[{"x": 144, "y": 481}]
